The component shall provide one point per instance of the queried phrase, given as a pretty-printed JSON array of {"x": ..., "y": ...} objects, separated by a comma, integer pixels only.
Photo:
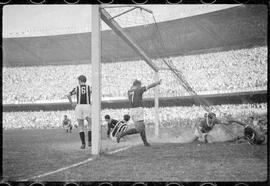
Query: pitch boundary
[{"x": 75, "y": 164}]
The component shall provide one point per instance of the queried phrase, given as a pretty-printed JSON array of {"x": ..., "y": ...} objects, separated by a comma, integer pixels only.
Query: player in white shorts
[
  {"x": 82, "y": 108},
  {"x": 135, "y": 98}
]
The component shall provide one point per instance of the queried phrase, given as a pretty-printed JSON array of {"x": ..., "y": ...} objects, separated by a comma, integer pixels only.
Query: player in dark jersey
[
  {"x": 206, "y": 125},
  {"x": 252, "y": 135},
  {"x": 210, "y": 120},
  {"x": 110, "y": 124},
  {"x": 135, "y": 94},
  {"x": 67, "y": 124},
  {"x": 82, "y": 108}
]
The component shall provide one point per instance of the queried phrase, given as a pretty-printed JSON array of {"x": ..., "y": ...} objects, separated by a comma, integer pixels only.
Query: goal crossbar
[
  {"x": 107, "y": 18},
  {"x": 124, "y": 6}
]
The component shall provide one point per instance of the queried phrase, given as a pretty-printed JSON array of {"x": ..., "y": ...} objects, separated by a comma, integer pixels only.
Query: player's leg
[
  {"x": 66, "y": 129},
  {"x": 133, "y": 113},
  {"x": 127, "y": 132},
  {"x": 87, "y": 114},
  {"x": 197, "y": 134},
  {"x": 141, "y": 128},
  {"x": 81, "y": 132},
  {"x": 89, "y": 121},
  {"x": 80, "y": 119}
]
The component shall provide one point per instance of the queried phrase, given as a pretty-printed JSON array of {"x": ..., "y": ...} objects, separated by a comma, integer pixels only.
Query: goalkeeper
[{"x": 206, "y": 125}]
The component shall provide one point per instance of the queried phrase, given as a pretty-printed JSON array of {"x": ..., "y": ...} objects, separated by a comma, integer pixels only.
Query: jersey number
[
  {"x": 83, "y": 90},
  {"x": 132, "y": 96}
]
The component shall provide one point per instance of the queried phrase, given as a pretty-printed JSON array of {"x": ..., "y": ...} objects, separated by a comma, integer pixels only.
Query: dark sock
[
  {"x": 82, "y": 137},
  {"x": 89, "y": 136},
  {"x": 143, "y": 136}
]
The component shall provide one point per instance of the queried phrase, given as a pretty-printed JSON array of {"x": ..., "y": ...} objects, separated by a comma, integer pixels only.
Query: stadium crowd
[
  {"x": 169, "y": 116},
  {"x": 216, "y": 72}
]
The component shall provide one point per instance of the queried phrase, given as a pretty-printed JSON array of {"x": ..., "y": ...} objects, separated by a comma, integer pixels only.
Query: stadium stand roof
[{"x": 230, "y": 27}]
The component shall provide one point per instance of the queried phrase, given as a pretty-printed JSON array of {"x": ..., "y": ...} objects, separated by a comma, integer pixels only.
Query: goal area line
[{"x": 35, "y": 178}]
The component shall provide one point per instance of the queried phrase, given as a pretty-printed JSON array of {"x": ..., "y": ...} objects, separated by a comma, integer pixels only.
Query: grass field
[{"x": 29, "y": 153}]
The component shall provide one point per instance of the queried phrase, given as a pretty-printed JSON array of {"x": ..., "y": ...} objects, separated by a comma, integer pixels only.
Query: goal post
[
  {"x": 96, "y": 82},
  {"x": 98, "y": 14},
  {"x": 156, "y": 107}
]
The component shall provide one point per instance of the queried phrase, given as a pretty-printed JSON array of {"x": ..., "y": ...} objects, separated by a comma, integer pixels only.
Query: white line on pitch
[{"x": 75, "y": 165}]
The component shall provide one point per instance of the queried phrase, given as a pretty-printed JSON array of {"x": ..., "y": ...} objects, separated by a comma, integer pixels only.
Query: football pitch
[{"x": 52, "y": 155}]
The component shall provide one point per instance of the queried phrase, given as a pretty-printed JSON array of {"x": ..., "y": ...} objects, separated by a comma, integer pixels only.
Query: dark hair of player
[
  {"x": 126, "y": 117},
  {"x": 210, "y": 115},
  {"x": 107, "y": 117},
  {"x": 65, "y": 115},
  {"x": 136, "y": 82},
  {"x": 82, "y": 78}
]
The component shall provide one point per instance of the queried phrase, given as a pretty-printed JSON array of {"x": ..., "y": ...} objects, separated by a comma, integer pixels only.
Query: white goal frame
[{"x": 99, "y": 13}]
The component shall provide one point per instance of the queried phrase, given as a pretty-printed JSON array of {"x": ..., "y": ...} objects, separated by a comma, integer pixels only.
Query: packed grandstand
[{"x": 218, "y": 72}]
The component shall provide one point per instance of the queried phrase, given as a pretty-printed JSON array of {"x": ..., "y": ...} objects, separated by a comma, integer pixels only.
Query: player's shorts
[
  {"x": 82, "y": 111},
  {"x": 137, "y": 114},
  {"x": 197, "y": 133},
  {"x": 140, "y": 126}
]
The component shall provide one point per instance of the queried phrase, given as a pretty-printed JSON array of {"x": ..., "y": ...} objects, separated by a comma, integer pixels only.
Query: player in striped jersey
[
  {"x": 115, "y": 127},
  {"x": 82, "y": 108}
]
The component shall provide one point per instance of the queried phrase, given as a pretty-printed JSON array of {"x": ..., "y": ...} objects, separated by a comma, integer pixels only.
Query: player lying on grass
[
  {"x": 205, "y": 126},
  {"x": 114, "y": 127},
  {"x": 67, "y": 124},
  {"x": 121, "y": 126},
  {"x": 231, "y": 130},
  {"x": 251, "y": 134},
  {"x": 135, "y": 94}
]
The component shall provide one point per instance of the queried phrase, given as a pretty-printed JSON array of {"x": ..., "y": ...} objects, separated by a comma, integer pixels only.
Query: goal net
[{"x": 140, "y": 25}]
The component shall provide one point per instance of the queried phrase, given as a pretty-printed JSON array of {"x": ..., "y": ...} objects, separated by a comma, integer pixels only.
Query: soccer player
[
  {"x": 83, "y": 107},
  {"x": 252, "y": 135},
  {"x": 67, "y": 124},
  {"x": 110, "y": 124},
  {"x": 206, "y": 125},
  {"x": 121, "y": 126},
  {"x": 135, "y": 94},
  {"x": 116, "y": 126}
]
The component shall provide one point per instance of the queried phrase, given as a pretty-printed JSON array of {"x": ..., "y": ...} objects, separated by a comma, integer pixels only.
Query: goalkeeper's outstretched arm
[
  {"x": 153, "y": 84},
  {"x": 239, "y": 122}
]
